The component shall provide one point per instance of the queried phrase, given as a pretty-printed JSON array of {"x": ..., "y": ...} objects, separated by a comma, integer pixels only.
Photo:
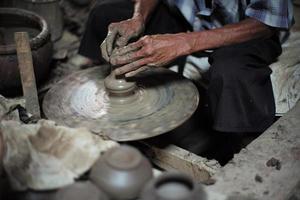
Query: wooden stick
[
  {"x": 172, "y": 157},
  {"x": 27, "y": 73}
]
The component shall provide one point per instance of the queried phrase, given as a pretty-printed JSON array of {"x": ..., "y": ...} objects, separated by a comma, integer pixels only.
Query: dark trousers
[{"x": 240, "y": 95}]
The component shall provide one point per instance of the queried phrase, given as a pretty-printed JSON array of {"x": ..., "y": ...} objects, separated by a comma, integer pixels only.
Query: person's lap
[{"x": 240, "y": 90}]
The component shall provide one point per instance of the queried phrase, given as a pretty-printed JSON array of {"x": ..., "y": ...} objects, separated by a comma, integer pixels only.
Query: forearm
[
  {"x": 228, "y": 35},
  {"x": 144, "y": 8},
  {"x": 1, "y": 152}
]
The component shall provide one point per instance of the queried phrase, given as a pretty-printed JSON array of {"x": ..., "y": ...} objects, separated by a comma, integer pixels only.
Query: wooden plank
[
  {"x": 27, "y": 73},
  {"x": 172, "y": 157}
]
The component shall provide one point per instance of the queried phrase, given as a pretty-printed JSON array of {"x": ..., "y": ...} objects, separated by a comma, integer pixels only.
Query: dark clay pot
[
  {"x": 121, "y": 173},
  {"x": 173, "y": 186},
  {"x": 50, "y": 10},
  {"x": 16, "y": 20}
]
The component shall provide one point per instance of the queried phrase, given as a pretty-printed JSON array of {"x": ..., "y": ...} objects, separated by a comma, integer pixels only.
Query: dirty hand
[
  {"x": 154, "y": 51},
  {"x": 120, "y": 33}
]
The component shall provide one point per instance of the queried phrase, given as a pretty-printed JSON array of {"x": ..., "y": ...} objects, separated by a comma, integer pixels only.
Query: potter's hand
[
  {"x": 120, "y": 33},
  {"x": 154, "y": 51}
]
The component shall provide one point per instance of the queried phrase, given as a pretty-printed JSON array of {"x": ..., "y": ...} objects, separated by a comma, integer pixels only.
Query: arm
[
  {"x": 243, "y": 31},
  {"x": 159, "y": 50},
  {"x": 144, "y": 8}
]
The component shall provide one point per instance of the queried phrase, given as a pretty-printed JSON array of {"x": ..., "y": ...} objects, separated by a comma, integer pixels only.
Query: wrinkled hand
[
  {"x": 120, "y": 33},
  {"x": 154, "y": 51}
]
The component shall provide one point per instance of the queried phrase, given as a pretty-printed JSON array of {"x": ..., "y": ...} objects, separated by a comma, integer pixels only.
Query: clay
[
  {"x": 161, "y": 101},
  {"x": 122, "y": 172},
  {"x": 44, "y": 156},
  {"x": 118, "y": 86}
]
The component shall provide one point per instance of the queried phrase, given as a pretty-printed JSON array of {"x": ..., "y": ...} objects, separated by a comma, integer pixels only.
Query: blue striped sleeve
[{"x": 274, "y": 13}]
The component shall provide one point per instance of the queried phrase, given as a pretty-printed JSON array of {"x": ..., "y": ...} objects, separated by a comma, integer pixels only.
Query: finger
[
  {"x": 122, "y": 41},
  {"x": 110, "y": 39},
  {"x": 135, "y": 72},
  {"x": 131, "y": 47},
  {"x": 127, "y": 58},
  {"x": 104, "y": 51},
  {"x": 132, "y": 66}
]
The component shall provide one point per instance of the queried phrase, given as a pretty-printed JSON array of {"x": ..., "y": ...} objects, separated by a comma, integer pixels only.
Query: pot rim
[
  {"x": 42, "y": 1},
  {"x": 37, "y": 41}
]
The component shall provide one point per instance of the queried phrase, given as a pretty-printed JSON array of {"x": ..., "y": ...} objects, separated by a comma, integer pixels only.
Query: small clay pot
[
  {"x": 80, "y": 191},
  {"x": 173, "y": 186},
  {"x": 84, "y": 190},
  {"x": 122, "y": 172}
]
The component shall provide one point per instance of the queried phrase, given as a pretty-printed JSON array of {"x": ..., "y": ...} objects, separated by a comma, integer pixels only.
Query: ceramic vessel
[
  {"x": 122, "y": 172},
  {"x": 14, "y": 20},
  {"x": 80, "y": 191},
  {"x": 50, "y": 10},
  {"x": 173, "y": 186}
]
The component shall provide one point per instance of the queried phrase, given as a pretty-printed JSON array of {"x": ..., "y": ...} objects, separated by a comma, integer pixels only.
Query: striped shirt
[{"x": 209, "y": 14}]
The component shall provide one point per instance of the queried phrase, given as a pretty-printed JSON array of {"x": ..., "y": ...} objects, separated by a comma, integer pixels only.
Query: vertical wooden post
[{"x": 27, "y": 73}]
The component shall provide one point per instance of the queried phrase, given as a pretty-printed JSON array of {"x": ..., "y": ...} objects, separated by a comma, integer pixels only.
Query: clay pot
[
  {"x": 80, "y": 191},
  {"x": 50, "y": 10},
  {"x": 81, "y": 2},
  {"x": 173, "y": 186},
  {"x": 122, "y": 172},
  {"x": 84, "y": 190},
  {"x": 13, "y": 20}
]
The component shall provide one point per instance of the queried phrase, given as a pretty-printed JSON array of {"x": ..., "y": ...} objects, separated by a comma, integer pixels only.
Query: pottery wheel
[{"x": 162, "y": 101}]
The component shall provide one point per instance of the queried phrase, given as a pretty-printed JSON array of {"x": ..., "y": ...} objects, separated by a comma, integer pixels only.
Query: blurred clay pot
[
  {"x": 50, "y": 10},
  {"x": 82, "y": 190},
  {"x": 122, "y": 172},
  {"x": 16, "y": 20},
  {"x": 173, "y": 186}
]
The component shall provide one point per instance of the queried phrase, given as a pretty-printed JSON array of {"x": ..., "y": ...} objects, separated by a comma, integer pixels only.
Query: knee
[
  {"x": 227, "y": 69},
  {"x": 108, "y": 11},
  {"x": 100, "y": 13}
]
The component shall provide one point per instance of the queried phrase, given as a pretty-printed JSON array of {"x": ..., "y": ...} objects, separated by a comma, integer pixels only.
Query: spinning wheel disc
[{"x": 162, "y": 101}]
